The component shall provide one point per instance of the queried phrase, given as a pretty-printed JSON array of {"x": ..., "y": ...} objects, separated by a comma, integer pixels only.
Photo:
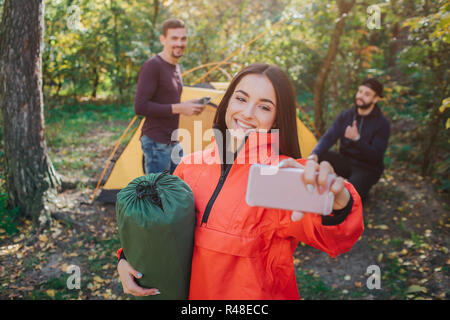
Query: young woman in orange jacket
[{"x": 244, "y": 252}]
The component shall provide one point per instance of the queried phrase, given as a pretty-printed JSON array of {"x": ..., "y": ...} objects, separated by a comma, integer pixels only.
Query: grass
[
  {"x": 417, "y": 240},
  {"x": 397, "y": 243},
  {"x": 396, "y": 278},
  {"x": 73, "y": 131},
  {"x": 55, "y": 288},
  {"x": 312, "y": 287},
  {"x": 109, "y": 245},
  {"x": 70, "y": 125}
]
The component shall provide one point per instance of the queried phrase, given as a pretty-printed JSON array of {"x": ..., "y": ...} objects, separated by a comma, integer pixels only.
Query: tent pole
[{"x": 110, "y": 158}]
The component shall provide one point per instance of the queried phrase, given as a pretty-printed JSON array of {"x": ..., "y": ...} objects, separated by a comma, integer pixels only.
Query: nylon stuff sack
[{"x": 156, "y": 220}]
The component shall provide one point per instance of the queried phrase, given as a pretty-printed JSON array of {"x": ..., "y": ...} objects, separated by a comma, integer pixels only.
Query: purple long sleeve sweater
[{"x": 159, "y": 86}]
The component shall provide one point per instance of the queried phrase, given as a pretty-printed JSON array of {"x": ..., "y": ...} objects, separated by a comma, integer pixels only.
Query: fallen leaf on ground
[
  {"x": 50, "y": 292},
  {"x": 415, "y": 288}
]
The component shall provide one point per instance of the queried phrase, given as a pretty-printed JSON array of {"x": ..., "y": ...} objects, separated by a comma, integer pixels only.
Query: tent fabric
[
  {"x": 206, "y": 85},
  {"x": 130, "y": 163},
  {"x": 220, "y": 85}
]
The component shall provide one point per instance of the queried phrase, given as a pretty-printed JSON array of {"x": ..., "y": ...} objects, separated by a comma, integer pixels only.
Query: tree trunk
[
  {"x": 154, "y": 31},
  {"x": 397, "y": 43},
  {"x": 30, "y": 176},
  {"x": 334, "y": 91},
  {"x": 436, "y": 122},
  {"x": 118, "y": 73},
  {"x": 155, "y": 12},
  {"x": 95, "y": 84},
  {"x": 344, "y": 7},
  {"x": 432, "y": 130},
  {"x": 58, "y": 87}
]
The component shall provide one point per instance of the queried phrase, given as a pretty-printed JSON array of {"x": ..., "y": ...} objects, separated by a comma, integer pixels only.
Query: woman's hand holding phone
[{"x": 313, "y": 180}]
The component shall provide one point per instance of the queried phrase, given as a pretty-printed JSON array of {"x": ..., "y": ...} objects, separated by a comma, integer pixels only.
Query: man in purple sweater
[{"x": 157, "y": 98}]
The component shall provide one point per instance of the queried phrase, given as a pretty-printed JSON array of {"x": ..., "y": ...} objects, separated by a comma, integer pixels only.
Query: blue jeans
[{"x": 158, "y": 156}]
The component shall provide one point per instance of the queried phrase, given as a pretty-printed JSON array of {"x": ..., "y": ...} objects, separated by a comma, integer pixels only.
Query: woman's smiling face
[{"x": 252, "y": 105}]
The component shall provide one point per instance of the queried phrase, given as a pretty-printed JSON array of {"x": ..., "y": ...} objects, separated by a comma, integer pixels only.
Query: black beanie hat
[{"x": 375, "y": 85}]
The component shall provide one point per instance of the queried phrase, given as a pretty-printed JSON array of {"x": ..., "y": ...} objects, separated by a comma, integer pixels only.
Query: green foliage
[
  {"x": 9, "y": 221},
  {"x": 8, "y": 217},
  {"x": 94, "y": 48},
  {"x": 70, "y": 124}
]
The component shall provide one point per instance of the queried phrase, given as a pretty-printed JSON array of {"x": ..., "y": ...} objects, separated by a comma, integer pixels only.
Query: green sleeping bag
[{"x": 156, "y": 220}]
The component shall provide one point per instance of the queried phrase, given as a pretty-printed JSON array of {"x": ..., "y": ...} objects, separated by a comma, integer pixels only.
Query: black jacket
[{"x": 368, "y": 151}]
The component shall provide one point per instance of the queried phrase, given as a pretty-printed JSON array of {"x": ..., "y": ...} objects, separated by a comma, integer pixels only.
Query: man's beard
[
  {"x": 177, "y": 56},
  {"x": 364, "y": 106}
]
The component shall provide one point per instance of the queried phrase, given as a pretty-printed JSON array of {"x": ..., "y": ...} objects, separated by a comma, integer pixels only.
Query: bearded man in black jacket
[{"x": 364, "y": 133}]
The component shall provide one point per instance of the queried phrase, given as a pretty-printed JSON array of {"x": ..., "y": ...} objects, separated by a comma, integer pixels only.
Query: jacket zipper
[{"x": 223, "y": 176}]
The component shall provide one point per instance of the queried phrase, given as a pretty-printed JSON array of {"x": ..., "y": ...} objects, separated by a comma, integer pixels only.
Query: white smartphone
[{"x": 283, "y": 188}]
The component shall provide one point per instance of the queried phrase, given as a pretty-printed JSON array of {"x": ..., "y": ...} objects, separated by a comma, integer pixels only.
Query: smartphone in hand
[
  {"x": 204, "y": 100},
  {"x": 283, "y": 188}
]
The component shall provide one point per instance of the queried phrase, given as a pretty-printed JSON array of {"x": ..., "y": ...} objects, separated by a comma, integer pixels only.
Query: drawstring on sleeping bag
[{"x": 143, "y": 189}]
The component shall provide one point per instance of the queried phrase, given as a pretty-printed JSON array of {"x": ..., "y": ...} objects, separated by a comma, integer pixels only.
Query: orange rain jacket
[{"x": 244, "y": 252}]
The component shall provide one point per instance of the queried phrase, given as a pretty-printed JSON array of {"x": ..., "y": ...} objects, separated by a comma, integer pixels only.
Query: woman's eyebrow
[
  {"x": 243, "y": 92},
  {"x": 268, "y": 100},
  {"x": 246, "y": 94}
]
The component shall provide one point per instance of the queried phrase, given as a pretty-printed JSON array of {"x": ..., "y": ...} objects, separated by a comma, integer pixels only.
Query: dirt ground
[{"x": 406, "y": 235}]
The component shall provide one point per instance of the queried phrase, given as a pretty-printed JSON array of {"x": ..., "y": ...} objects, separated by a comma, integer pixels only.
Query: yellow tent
[{"x": 129, "y": 165}]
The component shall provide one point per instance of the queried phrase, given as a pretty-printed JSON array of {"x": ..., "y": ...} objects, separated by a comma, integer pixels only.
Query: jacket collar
[{"x": 258, "y": 147}]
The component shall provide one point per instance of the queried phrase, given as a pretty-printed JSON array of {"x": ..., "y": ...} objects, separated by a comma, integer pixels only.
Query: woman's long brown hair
[{"x": 286, "y": 118}]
